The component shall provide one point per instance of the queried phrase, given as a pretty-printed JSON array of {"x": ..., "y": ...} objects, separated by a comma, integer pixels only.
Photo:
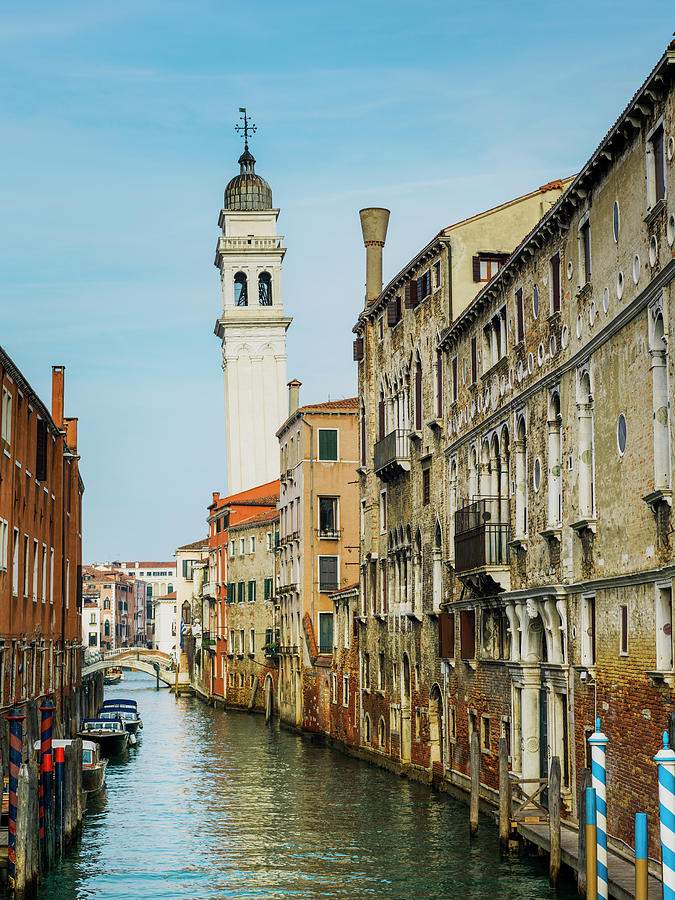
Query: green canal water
[{"x": 214, "y": 804}]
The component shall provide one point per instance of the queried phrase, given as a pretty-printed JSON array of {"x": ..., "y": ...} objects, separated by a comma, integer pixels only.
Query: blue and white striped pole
[
  {"x": 665, "y": 760},
  {"x": 598, "y": 742}
]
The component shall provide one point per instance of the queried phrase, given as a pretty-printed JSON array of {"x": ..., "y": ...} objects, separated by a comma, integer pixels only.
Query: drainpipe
[{"x": 311, "y": 501}]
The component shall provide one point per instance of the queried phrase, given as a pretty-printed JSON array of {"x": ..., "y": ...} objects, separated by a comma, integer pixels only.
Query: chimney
[
  {"x": 293, "y": 395},
  {"x": 57, "y": 395},
  {"x": 215, "y": 496},
  {"x": 71, "y": 433},
  {"x": 374, "y": 221}
]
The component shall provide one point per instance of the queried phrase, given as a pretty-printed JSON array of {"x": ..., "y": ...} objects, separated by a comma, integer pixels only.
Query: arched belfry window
[
  {"x": 240, "y": 290},
  {"x": 265, "y": 289}
]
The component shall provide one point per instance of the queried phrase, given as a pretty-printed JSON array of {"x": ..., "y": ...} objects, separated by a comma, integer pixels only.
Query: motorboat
[
  {"x": 110, "y": 734},
  {"x": 112, "y": 676},
  {"x": 129, "y": 718},
  {"x": 127, "y": 710},
  {"x": 93, "y": 766}
]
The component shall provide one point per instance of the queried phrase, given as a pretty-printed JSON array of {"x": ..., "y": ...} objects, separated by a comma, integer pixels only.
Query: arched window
[
  {"x": 418, "y": 395},
  {"x": 240, "y": 290},
  {"x": 366, "y": 729},
  {"x": 106, "y": 628},
  {"x": 585, "y": 441},
  {"x": 265, "y": 289},
  {"x": 382, "y": 735},
  {"x": 106, "y": 603},
  {"x": 521, "y": 480},
  {"x": 658, "y": 352},
  {"x": 554, "y": 462}
]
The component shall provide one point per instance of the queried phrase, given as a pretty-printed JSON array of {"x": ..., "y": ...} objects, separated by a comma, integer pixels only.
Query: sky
[{"x": 117, "y": 143}]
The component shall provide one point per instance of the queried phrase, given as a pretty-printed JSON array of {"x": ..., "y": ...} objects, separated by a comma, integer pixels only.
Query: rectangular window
[
  {"x": 366, "y": 671},
  {"x": 454, "y": 379},
  {"x": 381, "y": 672},
  {"x": 485, "y": 268},
  {"x": 664, "y": 628},
  {"x": 383, "y": 512},
  {"x": 240, "y": 591},
  {"x": 269, "y": 589},
  {"x": 251, "y": 641},
  {"x": 251, "y": 592},
  {"x": 252, "y": 545},
  {"x": 328, "y": 444},
  {"x": 268, "y": 541},
  {"x": 6, "y": 416},
  {"x": 452, "y": 724},
  {"x": 439, "y": 384},
  {"x": 4, "y": 538},
  {"x": 437, "y": 274},
  {"x": 241, "y": 642},
  {"x": 51, "y": 575},
  {"x": 25, "y": 565},
  {"x": 35, "y": 570},
  {"x": 328, "y": 573},
  {"x": 623, "y": 643},
  {"x": 242, "y": 546},
  {"x": 588, "y": 630},
  {"x": 232, "y": 647},
  {"x": 467, "y": 633},
  {"x": 325, "y": 632},
  {"x": 474, "y": 360},
  {"x": 426, "y": 486},
  {"x": 68, "y": 584},
  {"x": 15, "y": 563},
  {"x": 345, "y": 690},
  {"x": 485, "y": 734},
  {"x": 520, "y": 317},
  {"x": 328, "y": 510},
  {"x": 656, "y": 163},
  {"x": 230, "y": 592},
  {"x": 333, "y": 688},
  {"x": 232, "y": 548},
  {"x": 554, "y": 263},
  {"x": 585, "y": 252}
]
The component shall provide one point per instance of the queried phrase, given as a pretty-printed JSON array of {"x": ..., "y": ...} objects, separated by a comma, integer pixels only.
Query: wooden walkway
[{"x": 621, "y": 871}]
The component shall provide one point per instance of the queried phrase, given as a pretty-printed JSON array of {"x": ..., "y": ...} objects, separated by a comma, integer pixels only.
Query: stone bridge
[{"x": 152, "y": 662}]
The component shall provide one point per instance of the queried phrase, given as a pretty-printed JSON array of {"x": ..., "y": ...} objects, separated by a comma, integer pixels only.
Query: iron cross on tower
[{"x": 247, "y": 128}]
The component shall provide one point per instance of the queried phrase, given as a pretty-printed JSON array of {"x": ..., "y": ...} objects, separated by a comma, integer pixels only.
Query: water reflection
[{"x": 215, "y": 805}]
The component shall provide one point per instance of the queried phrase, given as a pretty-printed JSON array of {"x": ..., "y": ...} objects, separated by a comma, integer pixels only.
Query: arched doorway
[
  {"x": 436, "y": 725},
  {"x": 269, "y": 698}
]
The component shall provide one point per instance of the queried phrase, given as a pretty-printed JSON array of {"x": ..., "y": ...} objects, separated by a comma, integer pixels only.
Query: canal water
[{"x": 213, "y": 804}]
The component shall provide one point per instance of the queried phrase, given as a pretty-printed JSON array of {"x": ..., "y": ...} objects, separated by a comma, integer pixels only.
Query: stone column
[
  {"x": 554, "y": 474},
  {"x": 585, "y": 415},
  {"x": 660, "y": 407},
  {"x": 530, "y": 721}
]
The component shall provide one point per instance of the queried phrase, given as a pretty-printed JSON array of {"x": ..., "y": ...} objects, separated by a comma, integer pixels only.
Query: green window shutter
[
  {"x": 328, "y": 444},
  {"x": 240, "y": 592},
  {"x": 251, "y": 591}
]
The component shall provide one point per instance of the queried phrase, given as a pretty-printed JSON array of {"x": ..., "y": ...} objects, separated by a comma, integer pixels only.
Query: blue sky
[{"x": 118, "y": 139}]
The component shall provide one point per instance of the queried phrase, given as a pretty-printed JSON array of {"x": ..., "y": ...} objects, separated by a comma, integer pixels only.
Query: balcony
[
  {"x": 210, "y": 590},
  {"x": 392, "y": 454},
  {"x": 208, "y": 641},
  {"x": 482, "y": 535}
]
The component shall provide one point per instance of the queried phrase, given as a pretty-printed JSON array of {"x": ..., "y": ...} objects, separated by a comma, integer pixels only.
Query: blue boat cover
[
  {"x": 130, "y": 704},
  {"x": 97, "y": 721}
]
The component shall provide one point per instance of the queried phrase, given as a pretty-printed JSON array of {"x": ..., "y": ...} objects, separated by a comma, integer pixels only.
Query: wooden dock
[{"x": 621, "y": 870}]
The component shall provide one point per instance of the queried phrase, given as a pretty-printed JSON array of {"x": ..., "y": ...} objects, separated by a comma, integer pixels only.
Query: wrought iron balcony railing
[
  {"x": 392, "y": 452},
  {"x": 482, "y": 534}
]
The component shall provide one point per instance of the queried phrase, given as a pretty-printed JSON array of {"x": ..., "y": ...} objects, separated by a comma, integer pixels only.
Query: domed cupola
[{"x": 248, "y": 191}]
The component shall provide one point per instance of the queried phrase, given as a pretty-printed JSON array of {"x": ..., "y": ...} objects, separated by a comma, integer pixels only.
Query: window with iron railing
[{"x": 482, "y": 534}]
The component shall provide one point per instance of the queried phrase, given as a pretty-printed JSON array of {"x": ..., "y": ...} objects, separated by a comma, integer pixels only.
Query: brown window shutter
[
  {"x": 476, "y": 268},
  {"x": 414, "y": 299},
  {"x": 392, "y": 313},
  {"x": 467, "y": 628},
  {"x": 446, "y": 635},
  {"x": 407, "y": 297},
  {"x": 418, "y": 397},
  {"x": 358, "y": 349},
  {"x": 41, "y": 451}
]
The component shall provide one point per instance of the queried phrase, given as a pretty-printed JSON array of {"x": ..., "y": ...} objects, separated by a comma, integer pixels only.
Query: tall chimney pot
[
  {"x": 374, "y": 222},
  {"x": 71, "y": 433},
  {"x": 293, "y": 395},
  {"x": 57, "y": 395}
]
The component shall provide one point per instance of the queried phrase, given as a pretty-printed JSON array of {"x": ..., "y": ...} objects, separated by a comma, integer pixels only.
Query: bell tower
[{"x": 252, "y": 326}]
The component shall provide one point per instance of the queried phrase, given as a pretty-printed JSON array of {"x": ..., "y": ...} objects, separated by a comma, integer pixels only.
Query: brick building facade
[{"x": 40, "y": 541}]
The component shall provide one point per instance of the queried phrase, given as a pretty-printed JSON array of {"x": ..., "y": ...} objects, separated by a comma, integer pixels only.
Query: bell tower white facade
[{"x": 252, "y": 328}]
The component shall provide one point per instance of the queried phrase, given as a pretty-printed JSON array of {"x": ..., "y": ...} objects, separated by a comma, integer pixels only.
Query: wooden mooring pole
[
  {"x": 554, "y": 821},
  {"x": 581, "y": 850},
  {"x": 504, "y": 797},
  {"x": 641, "y": 873},
  {"x": 475, "y": 784}
]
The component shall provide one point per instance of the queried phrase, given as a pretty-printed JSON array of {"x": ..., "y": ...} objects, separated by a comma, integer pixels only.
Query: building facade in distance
[{"x": 318, "y": 547}]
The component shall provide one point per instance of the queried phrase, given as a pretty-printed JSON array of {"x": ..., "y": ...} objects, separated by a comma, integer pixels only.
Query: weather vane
[{"x": 247, "y": 128}]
